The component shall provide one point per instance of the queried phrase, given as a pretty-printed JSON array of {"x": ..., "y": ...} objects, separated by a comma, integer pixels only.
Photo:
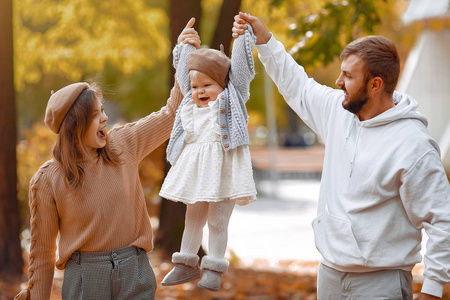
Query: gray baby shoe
[
  {"x": 186, "y": 269},
  {"x": 213, "y": 270}
]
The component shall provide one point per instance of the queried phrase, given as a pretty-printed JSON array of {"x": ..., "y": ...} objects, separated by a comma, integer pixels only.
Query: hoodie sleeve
[
  {"x": 425, "y": 193},
  {"x": 312, "y": 101}
]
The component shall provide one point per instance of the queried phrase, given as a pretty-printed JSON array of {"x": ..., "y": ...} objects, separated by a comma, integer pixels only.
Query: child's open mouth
[{"x": 204, "y": 98}]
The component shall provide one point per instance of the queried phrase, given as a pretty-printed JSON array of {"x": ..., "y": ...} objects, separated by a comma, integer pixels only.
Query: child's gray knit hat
[{"x": 213, "y": 63}]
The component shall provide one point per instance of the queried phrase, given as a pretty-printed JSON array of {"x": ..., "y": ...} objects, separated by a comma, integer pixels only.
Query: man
[{"x": 382, "y": 181}]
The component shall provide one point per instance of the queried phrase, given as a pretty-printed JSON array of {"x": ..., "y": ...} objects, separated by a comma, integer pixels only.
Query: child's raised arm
[
  {"x": 242, "y": 69},
  {"x": 188, "y": 41}
]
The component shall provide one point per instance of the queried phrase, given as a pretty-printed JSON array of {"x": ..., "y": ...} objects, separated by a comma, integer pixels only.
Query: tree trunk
[
  {"x": 171, "y": 216},
  {"x": 181, "y": 11},
  {"x": 222, "y": 35},
  {"x": 11, "y": 255}
]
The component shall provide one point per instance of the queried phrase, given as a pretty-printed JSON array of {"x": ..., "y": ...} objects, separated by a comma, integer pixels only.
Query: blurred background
[{"x": 125, "y": 46}]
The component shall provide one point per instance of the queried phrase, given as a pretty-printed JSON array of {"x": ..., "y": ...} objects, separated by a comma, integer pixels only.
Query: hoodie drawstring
[
  {"x": 349, "y": 129},
  {"x": 354, "y": 151}
]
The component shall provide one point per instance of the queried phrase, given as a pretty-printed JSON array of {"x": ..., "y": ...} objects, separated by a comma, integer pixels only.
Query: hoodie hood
[{"x": 405, "y": 108}]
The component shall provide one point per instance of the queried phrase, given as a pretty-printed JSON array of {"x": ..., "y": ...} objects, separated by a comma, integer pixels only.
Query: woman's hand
[{"x": 189, "y": 35}]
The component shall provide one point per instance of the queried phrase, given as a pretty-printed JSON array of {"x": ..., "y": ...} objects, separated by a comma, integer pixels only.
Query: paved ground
[
  {"x": 276, "y": 227},
  {"x": 289, "y": 160}
]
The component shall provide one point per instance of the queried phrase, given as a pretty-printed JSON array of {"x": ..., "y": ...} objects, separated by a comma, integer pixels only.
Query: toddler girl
[{"x": 208, "y": 149}]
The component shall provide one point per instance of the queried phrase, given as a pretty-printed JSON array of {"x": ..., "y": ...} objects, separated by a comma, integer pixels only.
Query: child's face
[{"x": 204, "y": 88}]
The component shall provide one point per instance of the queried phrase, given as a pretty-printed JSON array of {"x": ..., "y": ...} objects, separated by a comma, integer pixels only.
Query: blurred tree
[
  {"x": 324, "y": 34},
  {"x": 321, "y": 34},
  {"x": 120, "y": 44},
  {"x": 76, "y": 38},
  {"x": 11, "y": 254},
  {"x": 34, "y": 150},
  {"x": 222, "y": 34}
]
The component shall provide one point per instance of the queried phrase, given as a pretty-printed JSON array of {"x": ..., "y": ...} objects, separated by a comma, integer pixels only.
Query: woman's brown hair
[{"x": 69, "y": 149}]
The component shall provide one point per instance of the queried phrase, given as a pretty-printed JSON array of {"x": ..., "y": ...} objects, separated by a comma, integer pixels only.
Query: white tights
[{"x": 218, "y": 215}]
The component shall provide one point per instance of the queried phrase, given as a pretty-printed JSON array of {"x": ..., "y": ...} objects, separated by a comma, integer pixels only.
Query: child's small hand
[{"x": 189, "y": 35}]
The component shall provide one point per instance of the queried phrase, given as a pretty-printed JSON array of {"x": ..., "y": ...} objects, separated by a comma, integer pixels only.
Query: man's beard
[{"x": 356, "y": 103}]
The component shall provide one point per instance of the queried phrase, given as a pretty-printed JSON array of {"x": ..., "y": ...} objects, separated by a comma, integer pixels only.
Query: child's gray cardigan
[{"x": 233, "y": 117}]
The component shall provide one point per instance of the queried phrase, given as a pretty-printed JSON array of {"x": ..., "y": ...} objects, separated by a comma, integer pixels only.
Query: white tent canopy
[
  {"x": 422, "y": 9},
  {"x": 426, "y": 77}
]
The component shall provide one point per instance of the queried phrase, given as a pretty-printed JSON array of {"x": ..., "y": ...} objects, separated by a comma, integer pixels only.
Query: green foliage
[
  {"x": 324, "y": 34},
  {"x": 276, "y": 3},
  {"x": 78, "y": 37},
  {"x": 123, "y": 45},
  {"x": 277, "y": 16}
]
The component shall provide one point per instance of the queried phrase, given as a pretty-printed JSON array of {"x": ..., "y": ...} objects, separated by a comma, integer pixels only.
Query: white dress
[{"x": 204, "y": 171}]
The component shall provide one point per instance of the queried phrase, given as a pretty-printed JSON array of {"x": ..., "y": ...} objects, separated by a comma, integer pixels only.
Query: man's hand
[
  {"x": 239, "y": 26},
  {"x": 427, "y": 297},
  {"x": 189, "y": 35}
]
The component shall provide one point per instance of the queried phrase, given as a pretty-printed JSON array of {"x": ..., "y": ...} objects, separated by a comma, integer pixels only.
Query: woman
[{"x": 90, "y": 196}]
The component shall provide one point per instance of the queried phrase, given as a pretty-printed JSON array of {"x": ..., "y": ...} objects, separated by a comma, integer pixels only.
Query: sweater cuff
[
  {"x": 265, "y": 50},
  {"x": 432, "y": 287}
]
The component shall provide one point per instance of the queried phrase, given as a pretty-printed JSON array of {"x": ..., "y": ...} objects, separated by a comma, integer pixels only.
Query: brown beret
[
  {"x": 213, "y": 63},
  {"x": 60, "y": 103}
]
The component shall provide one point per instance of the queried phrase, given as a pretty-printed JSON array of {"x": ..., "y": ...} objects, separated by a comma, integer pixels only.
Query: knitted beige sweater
[{"x": 108, "y": 212}]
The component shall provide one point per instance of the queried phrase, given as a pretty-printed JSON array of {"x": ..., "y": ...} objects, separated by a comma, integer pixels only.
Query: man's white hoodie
[{"x": 382, "y": 180}]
